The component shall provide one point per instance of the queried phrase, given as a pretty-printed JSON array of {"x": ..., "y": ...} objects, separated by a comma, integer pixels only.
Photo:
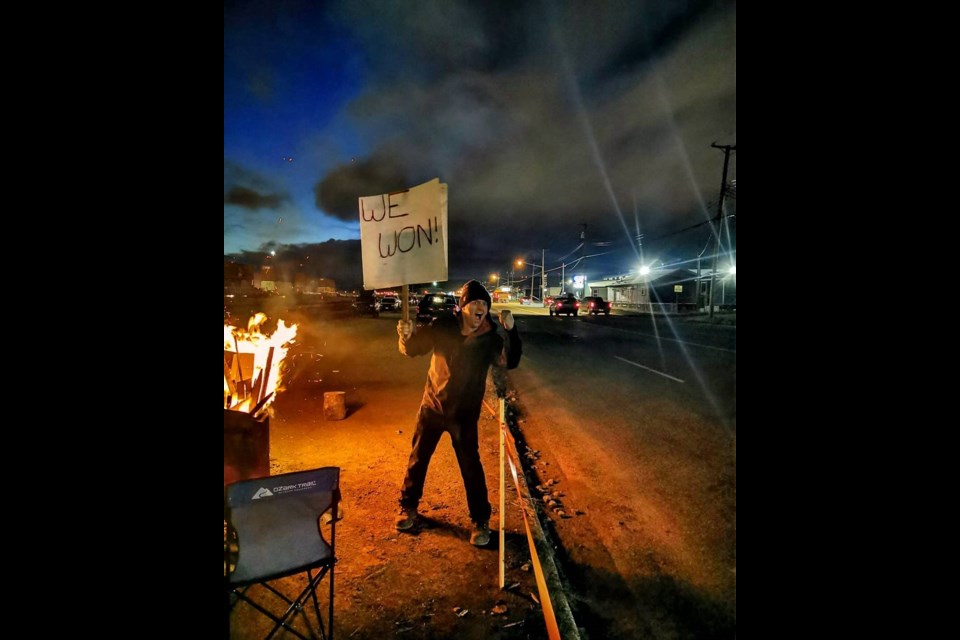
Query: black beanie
[{"x": 473, "y": 290}]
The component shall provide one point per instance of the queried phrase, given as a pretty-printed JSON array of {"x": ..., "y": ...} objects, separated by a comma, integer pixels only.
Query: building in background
[{"x": 666, "y": 290}]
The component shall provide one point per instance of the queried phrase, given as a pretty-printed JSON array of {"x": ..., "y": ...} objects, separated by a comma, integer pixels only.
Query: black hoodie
[{"x": 458, "y": 368}]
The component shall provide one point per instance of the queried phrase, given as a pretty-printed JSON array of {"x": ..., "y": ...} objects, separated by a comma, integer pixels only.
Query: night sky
[{"x": 540, "y": 116}]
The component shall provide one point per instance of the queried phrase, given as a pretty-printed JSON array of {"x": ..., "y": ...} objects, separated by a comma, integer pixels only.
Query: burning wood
[
  {"x": 260, "y": 405},
  {"x": 252, "y": 364}
]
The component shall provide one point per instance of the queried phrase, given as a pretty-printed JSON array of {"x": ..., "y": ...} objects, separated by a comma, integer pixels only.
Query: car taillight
[
  {"x": 577, "y": 305},
  {"x": 559, "y": 304},
  {"x": 609, "y": 305},
  {"x": 591, "y": 305}
]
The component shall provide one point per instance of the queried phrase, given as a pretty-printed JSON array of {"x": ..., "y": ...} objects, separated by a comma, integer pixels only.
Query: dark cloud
[
  {"x": 417, "y": 41},
  {"x": 250, "y": 190},
  {"x": 235, "y": 174},
  {"x": 244, "y": 197},
  {"x": 338, "y": 191}
]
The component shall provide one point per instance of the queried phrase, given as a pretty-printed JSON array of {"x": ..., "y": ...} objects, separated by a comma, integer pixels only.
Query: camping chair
[{"x": 273, "y": 526}]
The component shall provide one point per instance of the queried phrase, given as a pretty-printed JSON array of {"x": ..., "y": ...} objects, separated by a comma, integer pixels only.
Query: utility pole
[
  {"x": 533, "y": 280},
  {"x": 543, "y": 276},
  {"x": 723, "y": 191},
  {"x": 699, "y": 283},
  {"x": 583, "y": 271}
]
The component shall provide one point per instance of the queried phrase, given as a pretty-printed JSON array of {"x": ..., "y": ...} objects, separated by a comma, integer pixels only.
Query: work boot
[
  {"x": 481, "y": 535},
  {"x": 406, "y": 519}
]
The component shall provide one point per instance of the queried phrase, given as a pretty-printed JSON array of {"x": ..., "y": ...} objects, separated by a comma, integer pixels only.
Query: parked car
[
  {"x": 567, "y": 304},
  {"x": 595, "y": 305},
  {"x": 433, "y": 305},
  {"x": 389, "y": 303},
  {"x": 366, "y": 304}
]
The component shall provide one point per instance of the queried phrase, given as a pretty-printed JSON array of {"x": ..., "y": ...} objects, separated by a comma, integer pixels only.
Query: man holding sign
[{"x": 465, "y": 344}]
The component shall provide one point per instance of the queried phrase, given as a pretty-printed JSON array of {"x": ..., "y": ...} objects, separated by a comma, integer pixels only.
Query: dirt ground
[{"x": 428, "y": 584}]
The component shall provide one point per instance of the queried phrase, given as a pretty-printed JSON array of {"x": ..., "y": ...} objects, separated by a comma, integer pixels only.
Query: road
[{"x": 636, "y": 421}]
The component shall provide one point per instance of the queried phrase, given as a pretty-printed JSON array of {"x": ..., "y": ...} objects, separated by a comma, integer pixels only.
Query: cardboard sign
[{"x": 403, "y": 236}]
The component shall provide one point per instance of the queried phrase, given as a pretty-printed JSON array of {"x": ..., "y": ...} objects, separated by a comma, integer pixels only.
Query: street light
[
  {"x": 533, "y": 277},
  {"x": 731, "y": 273},
  {"x": 520, "y": 263}
]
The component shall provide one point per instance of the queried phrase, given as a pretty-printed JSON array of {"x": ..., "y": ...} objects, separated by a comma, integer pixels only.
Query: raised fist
[{"x": 506, "y": 319}]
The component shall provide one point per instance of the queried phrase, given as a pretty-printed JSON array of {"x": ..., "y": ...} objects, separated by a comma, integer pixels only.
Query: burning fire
[{"x": 251, "y": 364}]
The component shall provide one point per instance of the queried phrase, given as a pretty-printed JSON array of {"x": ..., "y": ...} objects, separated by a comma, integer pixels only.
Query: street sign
[{"x": 678, "y": 288}]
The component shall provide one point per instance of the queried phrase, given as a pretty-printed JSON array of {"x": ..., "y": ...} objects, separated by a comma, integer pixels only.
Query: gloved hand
[
  {"x": 506, "y": 319},
  {"x": 405, "y": 329}
]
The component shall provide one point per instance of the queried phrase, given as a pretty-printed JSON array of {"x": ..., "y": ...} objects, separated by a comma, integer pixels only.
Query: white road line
[{"x": 660, "y": 373}]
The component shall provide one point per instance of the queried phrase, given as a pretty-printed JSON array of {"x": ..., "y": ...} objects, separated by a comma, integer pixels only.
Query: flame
[{"x": 252, "y": 362}]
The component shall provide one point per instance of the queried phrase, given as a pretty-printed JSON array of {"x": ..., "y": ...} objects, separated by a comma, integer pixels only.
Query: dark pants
[{"x": 464, "y": 438}]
